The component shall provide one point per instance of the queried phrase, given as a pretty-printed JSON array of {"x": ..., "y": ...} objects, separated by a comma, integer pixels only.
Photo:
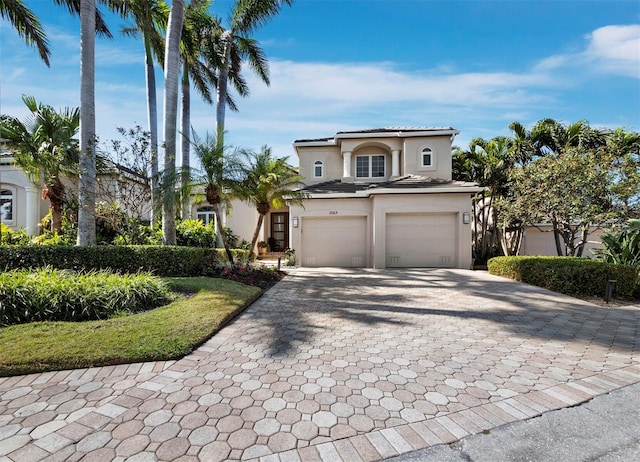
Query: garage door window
[{"x": 370, "y": 167}]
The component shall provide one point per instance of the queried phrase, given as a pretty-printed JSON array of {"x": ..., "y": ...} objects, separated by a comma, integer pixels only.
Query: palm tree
[
  {"x": 150, "y": 17},
  {"x": 198, "y": 23},
  {"x": 235, "y": 47},
  {"x": 27, "y": 25},
  {"x": 171, "y": 78},
  {"x": 270, "y": 183},
  {"x": 45, "y": 147},
  {"x": 221, "y": 170}
]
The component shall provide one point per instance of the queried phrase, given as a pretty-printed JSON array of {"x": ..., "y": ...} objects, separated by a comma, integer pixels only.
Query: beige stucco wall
[
  {"x": 411, "y": 162},
  {"x": 540, "y": 241},
  {"x": 415, "y": 203},
  {"x": 243, "y": 219},
  {"x": 329, "y": 208},
  {"x": 409, "y": 156},
  {"x": 375, "y": 210},
  {"x": 331, "y": 158}
]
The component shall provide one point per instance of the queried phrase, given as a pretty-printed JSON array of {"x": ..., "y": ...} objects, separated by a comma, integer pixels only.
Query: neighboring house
[
  {"x": 381, "y": 198},
  {"x": 21, "y": 202},
  {"x": 22, "y": 205}
]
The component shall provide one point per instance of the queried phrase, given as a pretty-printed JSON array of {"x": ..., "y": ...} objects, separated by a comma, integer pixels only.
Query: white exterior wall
[
  {"x": 28, "y": 205},
  {"x": 242, "y": 220}
]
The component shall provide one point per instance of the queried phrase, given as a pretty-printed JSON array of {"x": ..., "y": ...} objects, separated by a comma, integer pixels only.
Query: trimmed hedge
[
  {"x": 159, "y": 260},
  {"x": 568, "y": 275}
]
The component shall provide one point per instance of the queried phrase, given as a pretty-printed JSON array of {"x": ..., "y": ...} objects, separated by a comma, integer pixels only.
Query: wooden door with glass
[{"x": 280, "y": 231}]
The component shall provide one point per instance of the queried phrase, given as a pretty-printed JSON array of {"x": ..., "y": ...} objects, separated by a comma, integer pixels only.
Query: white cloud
[
  {"x": 609, "y": 49},
  {"x": 617, "y": 49}
]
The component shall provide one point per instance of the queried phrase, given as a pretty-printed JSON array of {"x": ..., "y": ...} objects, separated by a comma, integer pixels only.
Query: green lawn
[{"x": 168, "y": 332}]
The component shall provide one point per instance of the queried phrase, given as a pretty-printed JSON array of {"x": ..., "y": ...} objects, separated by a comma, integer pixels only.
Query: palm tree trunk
[
  {"x": 186, "y": 141},
  {"x": 221, "y": 96},
  {"x": 171, "y": 77},
  {"x": 152, "y": 114},
  {"x": 223, "y": 235},
  {"x": 87, "y": 164},
  {"x": 256, "y": 232}
]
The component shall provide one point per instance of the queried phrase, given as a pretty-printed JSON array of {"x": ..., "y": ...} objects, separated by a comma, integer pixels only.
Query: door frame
[{"x": 285, "y": 241}]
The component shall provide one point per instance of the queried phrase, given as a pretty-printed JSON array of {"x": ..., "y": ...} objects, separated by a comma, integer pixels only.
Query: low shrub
[
  {"x": 57, "y": 295},
  {"x": 11, "y": 237},
  {"x": 257, "y": 276},
  {"x": 194, "y": 233},
  {"x": 568, "y": 275},
  {"x": 159, "y": 260}
]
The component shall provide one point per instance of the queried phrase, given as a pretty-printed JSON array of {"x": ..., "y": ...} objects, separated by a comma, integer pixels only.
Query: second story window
[
  {"x": 318, "y": 169},
  {"x": 427, "y": 157},
  {"x": 370, "y": 167}
]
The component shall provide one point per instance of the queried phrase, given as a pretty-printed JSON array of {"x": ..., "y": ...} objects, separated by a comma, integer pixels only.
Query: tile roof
[{"x": 404, "y": 182}]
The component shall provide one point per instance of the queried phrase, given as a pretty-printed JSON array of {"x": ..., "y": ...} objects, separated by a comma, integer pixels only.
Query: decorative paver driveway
[{"x": 335, "y": 365}]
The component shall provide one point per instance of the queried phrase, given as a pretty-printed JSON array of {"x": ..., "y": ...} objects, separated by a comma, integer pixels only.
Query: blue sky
[{"x": 356, "y": 64}]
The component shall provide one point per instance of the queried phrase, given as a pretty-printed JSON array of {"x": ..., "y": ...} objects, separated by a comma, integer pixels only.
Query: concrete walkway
[{"x": 336, "y": 365}]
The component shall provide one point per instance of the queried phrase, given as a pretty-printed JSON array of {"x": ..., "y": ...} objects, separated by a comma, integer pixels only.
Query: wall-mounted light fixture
[
  {"x": 295, "y": 222},
  {"x": 466, "y": 218}
]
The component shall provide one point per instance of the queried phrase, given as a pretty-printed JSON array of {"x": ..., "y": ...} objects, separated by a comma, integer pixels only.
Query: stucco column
[
  {"x": 346, "y": 166},
  {"x": 395, "y": 163},
  {"x": 31, "y": 209}
]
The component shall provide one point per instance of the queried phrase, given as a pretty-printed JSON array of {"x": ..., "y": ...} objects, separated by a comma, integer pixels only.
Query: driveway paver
[{"x": 336, "y": 364}]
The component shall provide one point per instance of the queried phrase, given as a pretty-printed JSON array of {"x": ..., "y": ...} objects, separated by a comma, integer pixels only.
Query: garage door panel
[
  {"x": 339, "y": 241},
  {"x": 421, "y": 240}
]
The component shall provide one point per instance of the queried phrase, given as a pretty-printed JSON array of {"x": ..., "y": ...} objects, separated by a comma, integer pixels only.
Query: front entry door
[{"x": 280, "y": 231}]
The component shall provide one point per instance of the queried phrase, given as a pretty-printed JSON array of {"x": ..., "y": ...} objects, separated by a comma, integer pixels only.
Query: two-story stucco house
[{"x": 381, "y": 198}]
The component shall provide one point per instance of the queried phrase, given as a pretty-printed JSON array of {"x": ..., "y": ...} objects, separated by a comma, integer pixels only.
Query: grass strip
[{"x": 165, "y": 333}]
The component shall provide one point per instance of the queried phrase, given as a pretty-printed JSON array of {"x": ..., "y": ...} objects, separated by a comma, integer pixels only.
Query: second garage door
[
  {"x": 335, "y": 241},
  {"x": 421, "y": 240}
]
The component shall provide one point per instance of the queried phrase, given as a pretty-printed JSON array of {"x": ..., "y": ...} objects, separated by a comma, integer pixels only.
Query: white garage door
[
  {"x": 421, "y": 240},
  {"x": 335, "y": 241}
]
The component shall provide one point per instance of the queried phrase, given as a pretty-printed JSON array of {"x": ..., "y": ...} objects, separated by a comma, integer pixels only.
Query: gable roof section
[{"x": 404, "y": 184}]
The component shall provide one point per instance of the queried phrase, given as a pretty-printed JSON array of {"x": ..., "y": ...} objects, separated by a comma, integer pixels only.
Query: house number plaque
[{"x": 333, "y": 212}]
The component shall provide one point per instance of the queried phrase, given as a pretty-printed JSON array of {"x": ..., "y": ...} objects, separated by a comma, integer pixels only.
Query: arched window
[
  {"x": 6, "y": 205},
  {"x": 206, "y": 215},
  {"x": 426, "y": 156},
  {"x": 318, "y": 169}
]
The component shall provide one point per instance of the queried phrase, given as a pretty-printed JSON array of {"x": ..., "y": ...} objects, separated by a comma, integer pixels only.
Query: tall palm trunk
[
  {"x": 87, "y": 164},
  {"x": 221, "y": 91},
  {"x": 152, "y": 114},
  {"x": 171, "y": 76},
  {"x": 185, "y": 140}
]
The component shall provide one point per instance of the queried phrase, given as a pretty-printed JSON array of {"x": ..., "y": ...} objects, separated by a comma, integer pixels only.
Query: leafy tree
[
  {"x": 570, "y": 190},
  {"x": 622, "y": 147},
  {"x": 270, "y": 183},
  {"x": 45, "y": 147},
  {"x": 220, "y": 176}
]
